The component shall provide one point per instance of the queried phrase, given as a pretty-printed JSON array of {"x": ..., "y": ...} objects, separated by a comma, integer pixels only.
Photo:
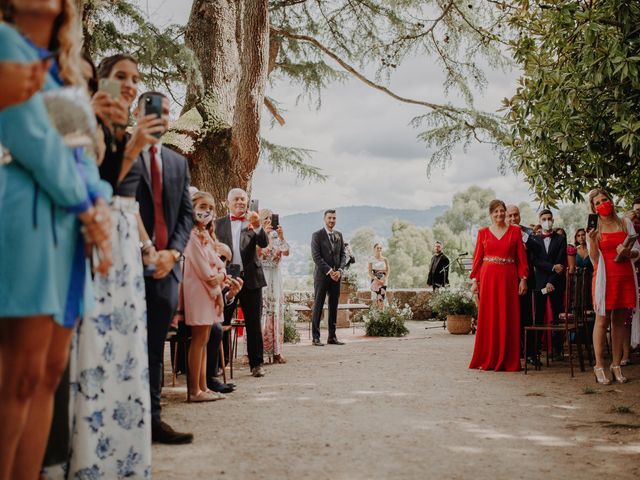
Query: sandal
[
  {"x": 279, "y": 359},
  {"x": 616, "y": 372},
  {"x": 601, "y": 378}
]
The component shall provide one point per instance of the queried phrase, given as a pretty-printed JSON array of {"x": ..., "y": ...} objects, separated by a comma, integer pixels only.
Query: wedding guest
[
  {"x": 62, "y": 189},
  {"x": 242, "y": 232},
  {"x": 537, "y": 229},
  {"x": 273, "y": 294},
  {"x": 108, "y": 353},
  {"x": 204, "y": 275},
  {"x": 526, "y": 300},
  {"x": 378, "y": 270},
  {"x": 439, "y": 268},
  {"x": 498, "y": 262},
  {"x": 583, "y": 261},
  {"x": 19, "y": 81},
  {"x": 562, "y": 232},
  {"x": 330, "y": 258},
  {"x": 615, "y": 288},
  {"x": 549, "y": 260},
  {"x": 166, "y": 211},
  {"x": 631, "y": 335}
]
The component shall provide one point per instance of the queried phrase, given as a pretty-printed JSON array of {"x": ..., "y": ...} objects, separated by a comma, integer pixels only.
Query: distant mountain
[{"x": 300, "y": 226}]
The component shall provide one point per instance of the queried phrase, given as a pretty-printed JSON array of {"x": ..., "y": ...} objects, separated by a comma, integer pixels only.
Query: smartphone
[
  {"x": 254, "y": 205},
  {"x": 153, "y": 106},
  {"x": 592, "y": 222},
  {"x": 544, "y": 291},
  {"x": 275, "y": 221},
  {"x": 233, "y": 270},
  {"x": 112, "y": 87}
]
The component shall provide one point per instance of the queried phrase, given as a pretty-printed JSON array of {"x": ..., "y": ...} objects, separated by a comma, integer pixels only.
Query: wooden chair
[
  {"x": 568, "y": 324},
  {"x": 233, "y": 343}
]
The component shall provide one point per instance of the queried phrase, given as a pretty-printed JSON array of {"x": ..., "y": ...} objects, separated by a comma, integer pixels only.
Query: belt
[{"x": 499, "y": 260}]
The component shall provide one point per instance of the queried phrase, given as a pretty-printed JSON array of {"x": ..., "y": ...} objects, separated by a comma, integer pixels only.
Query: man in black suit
[
  {"x": 549, "y": 259},
  {"x": 439, "y": 269},
  {"x": 242, "y": 232},
  {"x": 330, "y": 258},
  {"x": 166, "y": 211},
  {"x": 526, "y": 300}
]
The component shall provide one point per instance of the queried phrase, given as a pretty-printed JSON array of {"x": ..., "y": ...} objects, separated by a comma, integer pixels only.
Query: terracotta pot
[{"x": 459, "y": 324}]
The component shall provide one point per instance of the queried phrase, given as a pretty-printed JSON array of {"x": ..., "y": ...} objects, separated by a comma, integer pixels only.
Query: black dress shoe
[
  {"x": 217, "y": 386},
  {"x": 163, "y": 433},
  {"x": 334, "y": 341},
  {"x": 534, "y": 361},
  {"x": 317, "y": 342}
]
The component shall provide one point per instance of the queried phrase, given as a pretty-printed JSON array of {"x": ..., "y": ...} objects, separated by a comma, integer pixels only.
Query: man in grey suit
[{"x": 330, "y": 258}]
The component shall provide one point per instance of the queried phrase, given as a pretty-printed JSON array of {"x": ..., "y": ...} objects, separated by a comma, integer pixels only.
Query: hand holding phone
[
  {"x": 233, "y": 270},
  {"x": 111, "y": 87},
  {"x": 275, "y": 221},
  {"x": 153, "y": 106},
  {"x": 592, "y": 222}
]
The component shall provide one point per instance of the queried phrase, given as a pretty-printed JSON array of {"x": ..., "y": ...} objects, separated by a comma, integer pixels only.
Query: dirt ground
[{"x": 405, "y": 408}]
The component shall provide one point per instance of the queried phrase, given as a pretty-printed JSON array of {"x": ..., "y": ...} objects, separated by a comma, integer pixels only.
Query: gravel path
[{"x": 405, "y": 409}]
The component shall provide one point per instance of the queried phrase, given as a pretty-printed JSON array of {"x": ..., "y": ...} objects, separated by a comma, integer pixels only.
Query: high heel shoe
[
  {"x": 601, "y": 378},
  {"x": 616, "y": 372}
]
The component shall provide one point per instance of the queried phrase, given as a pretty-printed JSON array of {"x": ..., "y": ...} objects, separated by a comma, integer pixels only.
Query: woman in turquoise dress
[{"x": 46, "y": 191}]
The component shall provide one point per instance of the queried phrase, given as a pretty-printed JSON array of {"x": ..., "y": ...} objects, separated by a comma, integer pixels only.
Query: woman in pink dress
[{"x": 204, "y": 273}]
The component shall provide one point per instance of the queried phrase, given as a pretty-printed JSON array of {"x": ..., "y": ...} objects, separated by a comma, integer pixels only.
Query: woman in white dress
[{"x": 378, "y": 270}]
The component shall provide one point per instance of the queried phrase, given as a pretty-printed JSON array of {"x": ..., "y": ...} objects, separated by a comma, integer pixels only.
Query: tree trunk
[{"x": 230, "y": 39}]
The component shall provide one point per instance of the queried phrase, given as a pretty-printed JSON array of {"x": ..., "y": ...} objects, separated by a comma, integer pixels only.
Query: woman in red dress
[
  {"x": 498, "y": 262},
  {"x": 615, "y": 292}
]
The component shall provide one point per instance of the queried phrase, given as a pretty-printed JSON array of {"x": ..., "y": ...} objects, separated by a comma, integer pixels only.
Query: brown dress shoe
[{"x": 163, "y": 433}]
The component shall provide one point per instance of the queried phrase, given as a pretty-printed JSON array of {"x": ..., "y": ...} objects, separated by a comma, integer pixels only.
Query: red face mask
[{"x": 605, "y": 208}]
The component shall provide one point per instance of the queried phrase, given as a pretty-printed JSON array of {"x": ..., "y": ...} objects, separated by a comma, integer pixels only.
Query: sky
[{"x": 362, "y": 140}]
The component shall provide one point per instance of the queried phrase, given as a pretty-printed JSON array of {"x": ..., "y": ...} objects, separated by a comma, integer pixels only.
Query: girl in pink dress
[{"x": 204, "y": 273}]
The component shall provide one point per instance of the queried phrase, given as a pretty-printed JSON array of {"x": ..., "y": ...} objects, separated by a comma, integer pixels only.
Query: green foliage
[
  {"x": 291, "y": 334},
  {"x": 409, "y": 254},
  {"x": 468, "y": 208},
  {"x": 290, "y": 158},
  {"x": 361, "y": 243},
  {"x": 575, "y": 118},
  {"x": 119, "y": 26},
  {"x": 388, "y": 321},
  {"x": 452, "y": 302}
]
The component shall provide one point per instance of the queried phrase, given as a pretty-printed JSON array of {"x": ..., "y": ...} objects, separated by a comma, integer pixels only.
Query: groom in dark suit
[
  {"x": 549, "y": 260},
  {"x": 330, "y": 258},
  {"x": 242, "y": 232},
  {"x": 166, "y": 211}
]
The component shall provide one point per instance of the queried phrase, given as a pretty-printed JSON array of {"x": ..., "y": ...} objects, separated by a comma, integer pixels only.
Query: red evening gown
[{"x": 497, "y": 265}]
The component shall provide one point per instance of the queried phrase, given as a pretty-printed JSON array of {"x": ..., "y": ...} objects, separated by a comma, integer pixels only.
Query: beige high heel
[
  {"x": 601, "y": 378},
  {"x": 616, "y": 371}
]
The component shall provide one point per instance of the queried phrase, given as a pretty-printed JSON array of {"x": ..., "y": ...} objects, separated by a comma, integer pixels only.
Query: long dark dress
[{"x": 497, "y": 265}]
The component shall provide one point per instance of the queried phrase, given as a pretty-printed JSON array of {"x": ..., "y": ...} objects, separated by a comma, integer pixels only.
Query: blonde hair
[
  {"x": 69, "y": 41},
  {"x": 264, "y": 214},
  {"x": 67, "y": 37},
  {"x": 592, "y": 208}
]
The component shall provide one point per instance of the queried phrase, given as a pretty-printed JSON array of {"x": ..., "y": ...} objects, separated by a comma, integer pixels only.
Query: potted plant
[
  {"x": 457, "y": 306},
  {"x": 387, "y": 321}
]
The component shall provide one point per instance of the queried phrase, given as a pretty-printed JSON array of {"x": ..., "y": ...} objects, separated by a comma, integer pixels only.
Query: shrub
[
  {"x": 291, "y": 334},
  {"x": 452, "y": 302},
  {"x": 387, "y": 321}
]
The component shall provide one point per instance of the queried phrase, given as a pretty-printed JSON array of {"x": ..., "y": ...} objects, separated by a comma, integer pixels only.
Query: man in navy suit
[
  {"x": 330, "y": 258},
  {"x": 549, "y": 260},
  {"x": 242, "y": 232},
  {"x": 166, "y": 211}
]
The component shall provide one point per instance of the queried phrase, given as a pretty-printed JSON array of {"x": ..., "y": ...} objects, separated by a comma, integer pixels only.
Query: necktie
[
  {"x": 159, "y": 224},
  {"x": 234, "y": 218},
  {"x": 332, "y": 238}
]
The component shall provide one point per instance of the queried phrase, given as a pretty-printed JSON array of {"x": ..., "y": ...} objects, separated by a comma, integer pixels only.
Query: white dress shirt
[
  {"x": 236, "y": 231},
  {"x": 547, "y": 242}
]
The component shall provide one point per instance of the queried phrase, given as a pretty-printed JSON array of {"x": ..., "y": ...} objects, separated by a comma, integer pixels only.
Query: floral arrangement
[
  {"x": 453, "y": 302},
  {"x": 387, "y": 321}
]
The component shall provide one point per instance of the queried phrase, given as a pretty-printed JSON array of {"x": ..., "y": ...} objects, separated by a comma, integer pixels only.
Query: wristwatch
[{"x": 176, "y": 254}]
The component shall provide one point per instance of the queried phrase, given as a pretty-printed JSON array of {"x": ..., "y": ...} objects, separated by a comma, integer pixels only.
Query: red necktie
[
  {"x": 159, "y": 224},
  {"x": 234, "y": 218}
]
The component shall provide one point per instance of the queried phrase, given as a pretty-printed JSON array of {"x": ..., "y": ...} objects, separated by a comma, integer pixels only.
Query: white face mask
[
  {"x": 547, "y": 225},
  {"x": 204, "y": 217}
]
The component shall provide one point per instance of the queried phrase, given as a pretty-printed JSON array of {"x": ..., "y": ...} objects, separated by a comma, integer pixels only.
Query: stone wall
[{"x": 416, "y": 298}]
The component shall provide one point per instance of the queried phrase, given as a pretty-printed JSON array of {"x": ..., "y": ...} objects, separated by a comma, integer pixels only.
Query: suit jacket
[
  {"x": 176, "y": 201},
  {"x": 249, "y": 241},
  {"x": 544, "y": 261},
  {"x": 439, "y": 271},
  {"x": 531, "y": 249},
  {"x": 325, "y": 255}
]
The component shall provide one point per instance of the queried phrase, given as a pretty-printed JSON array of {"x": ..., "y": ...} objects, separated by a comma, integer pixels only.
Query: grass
[
  {"x": 534, "y": 394},
  {"x": 621, "y": 409},
  {"x": 589, "y": 391}
]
